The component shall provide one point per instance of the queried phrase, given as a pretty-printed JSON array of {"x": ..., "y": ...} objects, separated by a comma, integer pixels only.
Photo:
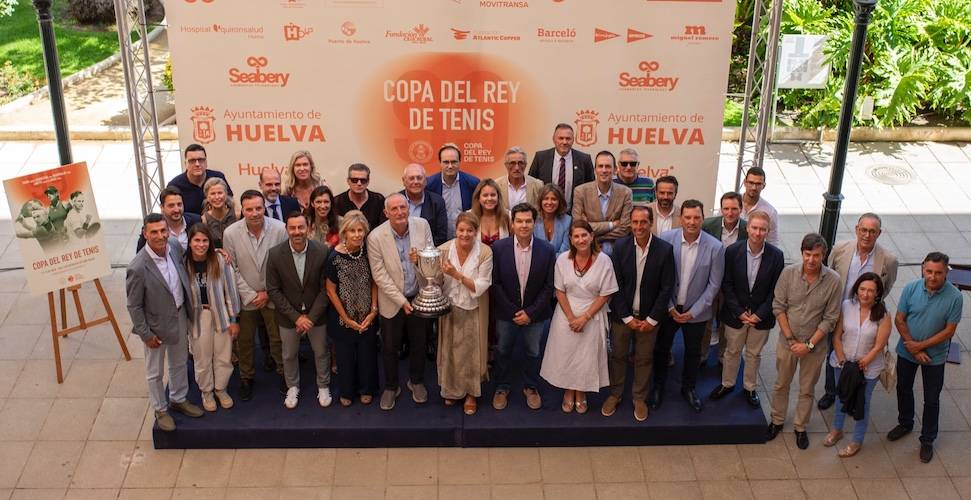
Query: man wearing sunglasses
[
  {"x": 642, "y": 187},
  {"x": 359, "y": 197}
]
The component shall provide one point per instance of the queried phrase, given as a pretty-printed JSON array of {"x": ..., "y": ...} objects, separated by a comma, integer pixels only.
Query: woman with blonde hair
[
  {"x": 353, "y": 311},
  {"x": 218, "y": 209},
  {"x": 490, "y": 208},
  {"x": 462, "y": 338},
  {"x": 301, "y": 177}
]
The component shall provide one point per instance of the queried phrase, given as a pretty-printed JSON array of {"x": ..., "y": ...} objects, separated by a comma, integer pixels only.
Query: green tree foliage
[{"x": 6, "y": 7}]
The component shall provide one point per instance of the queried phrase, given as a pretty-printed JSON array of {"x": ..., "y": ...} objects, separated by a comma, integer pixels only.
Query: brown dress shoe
[
  {"x": 470, "y": 405},
  {"x": 609, "y": 406},
  {"x": 533, "y": 401},
  {"x": 500, "y": 400},
  {"x": 640, "y": 410}
]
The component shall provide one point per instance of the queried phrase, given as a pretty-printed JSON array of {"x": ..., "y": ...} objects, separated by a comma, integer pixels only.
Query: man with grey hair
[
  {"x": 806, "y": 304},
  {"x": 562, "y": 165},
  {"x": 517, "y": 186},
  {"x": 852, "y": 258},
  {"x": 359, "y": 197},
  {"x": 423, "y": 203},
  {"x": 629, "y": 174}
]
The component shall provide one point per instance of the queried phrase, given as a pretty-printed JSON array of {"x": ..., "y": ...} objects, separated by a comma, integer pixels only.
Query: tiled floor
[{"x": 91, "y": 437}]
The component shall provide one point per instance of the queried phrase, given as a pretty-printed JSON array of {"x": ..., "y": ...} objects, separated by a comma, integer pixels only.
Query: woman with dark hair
[
  {"x": 576, "y": 352},
  {"x": 322, "y": 217},
  {"x": 215, "y": 307},
  {"x": 553, "y": 223},
  {"x": 490, "y": 208},
  {"x": 860, "y": 337}
]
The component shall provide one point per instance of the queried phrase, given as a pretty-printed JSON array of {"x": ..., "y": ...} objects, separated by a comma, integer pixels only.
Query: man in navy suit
[
  {"x": 644, "y": 267},
  {"x": 277, "y": 205},
  {"x": 548, "y": 164},
  {"x": 522, "y": 293},
  {"x": 423, "y": 203},
  {"x": 177, "y": 219},
  {"x": 453, "y": 186},
  {"x": 699, "y": 260},
  {"x": 752, "y": 268}
]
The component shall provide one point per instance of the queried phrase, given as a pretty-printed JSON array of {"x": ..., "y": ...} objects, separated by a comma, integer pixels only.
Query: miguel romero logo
[
  {"x": 203, "y": 125},
  {"x": 258, "y": 76},
  {"x": 646, "y": 79}
]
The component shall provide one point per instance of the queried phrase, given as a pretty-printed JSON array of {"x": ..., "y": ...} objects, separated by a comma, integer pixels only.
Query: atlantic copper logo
[
  {"x": 203, "y": 125},
  {"x": 646, "y": 79},
  {"x": 695, "y": 33},
  {"x": 417, "y": 35},
  {"x": 293, "y": 32},
  {"x": 460, "y": 34},
  {"x": 256, "y": 75},
  {"x": 556, "y": 35},
  {"x": 586, "y": 122},
  {"x": 484, "y": 36}
]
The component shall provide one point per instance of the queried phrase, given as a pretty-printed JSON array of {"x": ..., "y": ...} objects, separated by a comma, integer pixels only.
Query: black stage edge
[{"x": 264, "y": 422}]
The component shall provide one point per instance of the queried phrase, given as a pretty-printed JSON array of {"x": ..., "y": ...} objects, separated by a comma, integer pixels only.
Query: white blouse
[
  {"x": 481, "y": 275},
  {"x": 858, "y": 339}
]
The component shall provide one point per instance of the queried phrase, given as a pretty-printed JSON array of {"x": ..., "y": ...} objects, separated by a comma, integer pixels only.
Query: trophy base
[{"x": 430, "y": 307}]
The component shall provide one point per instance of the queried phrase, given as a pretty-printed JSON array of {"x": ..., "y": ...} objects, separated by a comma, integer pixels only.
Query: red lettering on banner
[
  {"x": 268, "y": 132},
  {"x": 655, "y": 136}
]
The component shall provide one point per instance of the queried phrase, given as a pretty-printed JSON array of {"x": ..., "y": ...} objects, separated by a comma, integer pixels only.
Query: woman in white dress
[{"x": 576, "y": 353}]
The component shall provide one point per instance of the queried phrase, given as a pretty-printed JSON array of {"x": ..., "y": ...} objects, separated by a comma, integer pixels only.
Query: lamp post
[
  {"x": 53, "y": 68},
  {"x": 834, "y": 197}
]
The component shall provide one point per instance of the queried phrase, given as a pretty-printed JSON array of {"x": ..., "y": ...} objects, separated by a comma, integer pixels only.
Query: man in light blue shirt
[{"x": 927, "y": 316}]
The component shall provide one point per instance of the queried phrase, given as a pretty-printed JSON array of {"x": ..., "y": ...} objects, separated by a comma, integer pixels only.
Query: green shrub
[
  {"x": 6, "y": 7},
  {"x": 14, "y": 84},
  {"x": 167, "y": 75}
]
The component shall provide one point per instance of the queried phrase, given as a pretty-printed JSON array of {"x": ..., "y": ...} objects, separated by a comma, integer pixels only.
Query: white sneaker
[
  {"x": 291, "y": 400},
  {"x": 323, "y": 397}
]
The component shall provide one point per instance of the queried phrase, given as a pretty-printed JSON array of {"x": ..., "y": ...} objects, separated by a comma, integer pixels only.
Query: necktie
[
  {"x": 275, "y": 211},
  {"x": 562, "y": 179}
]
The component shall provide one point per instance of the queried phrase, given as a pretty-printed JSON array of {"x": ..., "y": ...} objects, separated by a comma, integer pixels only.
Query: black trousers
[
  {"x": 392, "y": 331},
  {"x": 933, "y": 380},
  {"x": 357, "y": 361},
  {"x": 692, "y": 333}
]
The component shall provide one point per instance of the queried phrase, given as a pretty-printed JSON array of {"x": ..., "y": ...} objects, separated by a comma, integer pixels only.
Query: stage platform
[{"x": 264, "y": 422}]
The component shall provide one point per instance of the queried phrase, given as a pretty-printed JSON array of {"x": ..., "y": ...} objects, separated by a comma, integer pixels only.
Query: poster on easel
[{"x": 56, "y": 222}]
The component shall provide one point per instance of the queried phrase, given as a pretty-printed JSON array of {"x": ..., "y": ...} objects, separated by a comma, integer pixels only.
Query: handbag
[{"x": 888, "y": 376}]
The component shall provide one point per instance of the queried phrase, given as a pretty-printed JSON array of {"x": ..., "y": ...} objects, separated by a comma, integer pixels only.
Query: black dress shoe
[
  {"x": 656, "y": 398},
  {"x": 269, "y": 366},
  {"x": 826, "y": 401},
  {"x": 897, "y": 432},
  {"x": 753, "y": 399},
  {"x": 926, "y": 452},
  {"x": 772, "y": 431},
  {"x": 246, "y": 389},
  {"x": 802, "y": 440},
  {"x": 719, "y": 392},
  {"x": 692, "y": 398}
]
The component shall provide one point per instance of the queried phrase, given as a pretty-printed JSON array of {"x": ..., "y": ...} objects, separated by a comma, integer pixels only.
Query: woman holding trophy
[{"x": 462, "y": 338}]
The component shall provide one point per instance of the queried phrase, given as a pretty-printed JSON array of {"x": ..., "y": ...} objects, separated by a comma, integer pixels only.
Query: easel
[{"x": 84, "y": 324}]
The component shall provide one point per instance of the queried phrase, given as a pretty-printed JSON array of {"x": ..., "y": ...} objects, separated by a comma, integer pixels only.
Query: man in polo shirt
[
  {"x": 642, "y": 187},
  {"x": 195, "y": 176},
  {"x": 927, "y": 316}
]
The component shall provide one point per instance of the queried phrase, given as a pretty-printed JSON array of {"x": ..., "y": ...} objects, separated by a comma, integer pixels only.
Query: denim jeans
[
  {"x": 507, "y": 334},
  {"x": 839, "y": 416},
  {"x": 933, "y": 378}
]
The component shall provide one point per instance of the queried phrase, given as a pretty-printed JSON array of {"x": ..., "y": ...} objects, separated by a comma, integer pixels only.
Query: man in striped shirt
[{"x": 628, "y": 175}]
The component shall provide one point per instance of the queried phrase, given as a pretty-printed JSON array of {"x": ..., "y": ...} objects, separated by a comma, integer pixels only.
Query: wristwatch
[{"x": 810, "y": 345}]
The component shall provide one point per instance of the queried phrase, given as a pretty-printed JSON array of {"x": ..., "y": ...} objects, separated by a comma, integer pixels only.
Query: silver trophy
[{"x": 431, "y": 301}]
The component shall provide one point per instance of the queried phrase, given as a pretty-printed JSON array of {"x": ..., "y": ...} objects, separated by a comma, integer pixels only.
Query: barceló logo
[{"x": 257, "y": 76}]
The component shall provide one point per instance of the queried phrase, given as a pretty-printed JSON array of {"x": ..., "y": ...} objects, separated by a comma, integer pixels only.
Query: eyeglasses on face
[
  {"x": 628, "y": 164},
  {"x": 516, "y": 163}
]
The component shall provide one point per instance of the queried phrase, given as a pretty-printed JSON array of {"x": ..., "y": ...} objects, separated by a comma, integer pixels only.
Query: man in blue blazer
[
  {"x": 522, "y": 295},
  {"x": 453, "y": 186},
  {"x": 644, "y": 267},
  {"x": 699, "y": 260},
  {"x": 423, "y": 203},
  {"x": 752, "y": 268},
  {"x": 277, "y": 206},
  {"x": 177, "y": 220}
]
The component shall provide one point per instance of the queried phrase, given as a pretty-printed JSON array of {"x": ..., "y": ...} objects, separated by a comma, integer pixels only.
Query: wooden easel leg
[
  {"x": 77, "y": 305},
  {"x": 111, "y": 318},
  {"x": 63, "y": 299},
  {"x": 55, "y": 334}
]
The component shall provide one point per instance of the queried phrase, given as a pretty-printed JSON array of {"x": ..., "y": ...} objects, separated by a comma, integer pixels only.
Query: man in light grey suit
[
  {"x": 852, "y": 258},
  {"x": 699, "y": 262},
  {"x": 248, "y": 242},
  {"x": 158, "y": 287}
]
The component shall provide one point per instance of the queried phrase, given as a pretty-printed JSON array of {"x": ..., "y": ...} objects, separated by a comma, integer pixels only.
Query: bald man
[{"x": 423, "y": 203}]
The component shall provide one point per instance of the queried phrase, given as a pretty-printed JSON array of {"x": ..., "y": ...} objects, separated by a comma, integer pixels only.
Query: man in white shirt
[
  {"x": 752, "y": 200},
  {"x": 667, "y": 215}
]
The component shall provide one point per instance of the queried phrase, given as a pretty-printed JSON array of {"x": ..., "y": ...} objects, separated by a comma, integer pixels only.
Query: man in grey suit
[
  {"x": 852, "y": 258},
  {"x": 158, "y": 287},
  {"x": 295, "y": 283},
  {"x": 699, "y": 261},
  {"x": 248, "y": 242}
]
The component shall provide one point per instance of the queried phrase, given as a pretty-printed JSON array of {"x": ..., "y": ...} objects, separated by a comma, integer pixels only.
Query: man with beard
[{"x": 667, "y": 215}]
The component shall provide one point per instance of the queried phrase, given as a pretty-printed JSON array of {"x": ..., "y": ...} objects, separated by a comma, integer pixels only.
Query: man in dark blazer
[
  {"x": 157, "y": 287},
  {"x": 454, "y": 186},
  {"x": 752, "y": 268},
  {"x": 423, "y": 203},
  {"x": 177, "y": 220},
  {"x": 522, "y": 295},
  {"x": 548, "y": 163},
  {"x": 644, "y": 267},
  {"x": 295, "y": 284},
  {"x": 728, "y": 227},
  {"x": 277, "y": 205}
]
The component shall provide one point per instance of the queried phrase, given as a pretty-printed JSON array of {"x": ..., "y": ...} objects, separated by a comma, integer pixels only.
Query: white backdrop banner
[{"x": 387, "y": 82}]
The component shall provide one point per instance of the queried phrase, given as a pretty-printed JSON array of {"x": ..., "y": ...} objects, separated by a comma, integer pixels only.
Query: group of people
[{"x": 585, "y": 262}]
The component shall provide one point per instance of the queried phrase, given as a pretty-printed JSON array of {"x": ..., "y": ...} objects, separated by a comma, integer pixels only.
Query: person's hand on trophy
[{"x": 413, "y": 255}]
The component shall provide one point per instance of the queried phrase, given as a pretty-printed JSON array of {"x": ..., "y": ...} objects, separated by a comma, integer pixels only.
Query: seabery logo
[{"x": 257, "y": 77}]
